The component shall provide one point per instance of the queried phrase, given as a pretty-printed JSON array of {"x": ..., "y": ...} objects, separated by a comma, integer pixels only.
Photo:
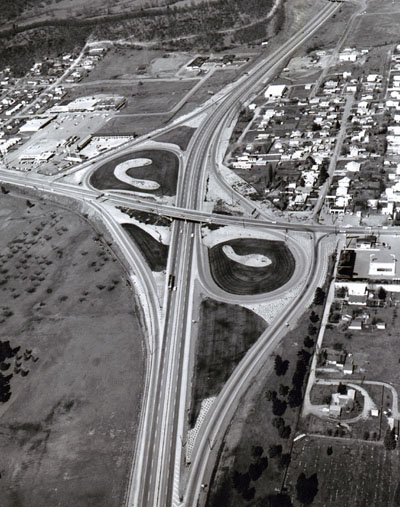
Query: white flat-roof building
[{"x": 275, "y": 91}]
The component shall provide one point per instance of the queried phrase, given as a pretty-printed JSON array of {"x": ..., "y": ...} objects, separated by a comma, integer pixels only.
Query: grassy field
[
  {"x": 355, "y": 473},
  {"x": 225, "y": 333},
  {"x": 212, "y": 85},
  {"x": 155, "y": 253},
  {"x": 129, "y": 125},
  {"x": 253, "y": 426},
  {"x": 122, "y": 62},
  {"x": 143, "y": 97},
  {"x": 163, "y": 170},
  {"x": 237, "y": 278},
  {"x": 179, "y": 135},
  {"x": 375, "y": 30},
  {"x": 74, "y": 416}
]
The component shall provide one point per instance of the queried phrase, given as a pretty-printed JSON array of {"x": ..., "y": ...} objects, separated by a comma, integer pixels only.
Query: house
[
  {"x": 355, "y": 325},
  {"x": 353, "y": 167},
  {"x": 340, "y": 401},
  {"x": 348, "y": 367},
  {"x": 380, "y": 325}
]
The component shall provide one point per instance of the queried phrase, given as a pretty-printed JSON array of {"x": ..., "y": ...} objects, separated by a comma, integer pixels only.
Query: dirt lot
[
  {"x": 155, "y": 253},
  {"x": 163, "y": 170},
  {"x": 355, "y": 473},
  {"x": 237, "y": 278},
  {"x": 73, "y": 417}
]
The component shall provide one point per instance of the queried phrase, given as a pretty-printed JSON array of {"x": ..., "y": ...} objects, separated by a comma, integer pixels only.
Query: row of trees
[{"x": 242, "y": 481}]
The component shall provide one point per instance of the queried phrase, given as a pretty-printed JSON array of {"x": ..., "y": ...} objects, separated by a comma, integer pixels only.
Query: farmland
[
  {"x": 163, "y": 170},
  {"x": 154, "y": 252},
  {"x": 237, "y": 278},
  {"x": 73, "y": 415}
]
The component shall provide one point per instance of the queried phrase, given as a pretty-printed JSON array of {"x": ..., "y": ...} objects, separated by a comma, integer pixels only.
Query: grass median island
[
  {"x": 237, "y": 278},
  {"x": 163, "y": 170},
  {"x": 74, "y": 417},
  {"x": 226, "y": 332},
  {"x": 155, "y": 253},
  {"x": 179, "y": 135}
]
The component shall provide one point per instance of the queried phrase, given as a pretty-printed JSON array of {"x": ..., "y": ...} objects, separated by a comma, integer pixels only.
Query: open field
[
  {"x": 133, "y": 125},
  {"x": 225, "y": 334},
  {"x": 73, "y": 417},
  {"x": 218, "y": 80},
  {"x": 329, "y": 34},
  {"x": 163, "y": 170},
  {"x": 254, "y": 425},
  {"x": 355, "y": 474},
  {"x": 179, "y": 135},
  {"x": 375, "y": 30},
  {"x": 155, "y": 253},
  {"x": 126, "y": 63},
  {"x": 143, "y": 97},
  {"x": 238, "y": 278}
]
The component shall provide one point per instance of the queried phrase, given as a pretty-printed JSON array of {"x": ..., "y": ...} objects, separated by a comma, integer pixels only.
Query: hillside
[{"x": 46, "y": 28}]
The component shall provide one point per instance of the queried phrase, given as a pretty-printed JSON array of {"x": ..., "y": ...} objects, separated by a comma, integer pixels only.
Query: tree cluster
[
  {"x": 295, "y": 397},
  {"x": 242, "y": 481}
]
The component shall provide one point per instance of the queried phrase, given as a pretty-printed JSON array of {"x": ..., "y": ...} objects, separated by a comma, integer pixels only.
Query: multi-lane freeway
[{"x": 159, "y": 475}]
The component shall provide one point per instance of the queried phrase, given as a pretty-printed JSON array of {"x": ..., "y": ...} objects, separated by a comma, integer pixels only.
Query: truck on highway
[{"x": 171, "y": 282}]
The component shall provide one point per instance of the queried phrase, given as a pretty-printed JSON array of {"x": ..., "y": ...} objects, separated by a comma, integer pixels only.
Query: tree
[
  {"x": 281, "y": 366},
  {"x": 257, "y": 451},
  {"x": 342, "y": 389},
  {"x": 270, "y": 395},
  {"x": 382, "y": 294},
  {"x": 390, "y": 440},
  {"x": 279, "y": 407},
  {"x": 284, "y": 460},
  {"x": 283, "y": 390},
  {"x": 255, "y": 471},
  {"x": 285, "y": 432},
  {"x": 329, "y": 451},
  {"x": 308, "y": 342},
  {"x": 306, "y": 488},
  {"x": 277, "y": 500},
  {"x": 314, "y": 317},
  {"x": 248, "y": 494},
  {"x": 275, "y": 450},
  {"x": 312, "y": 330},
  {"x": 295, "y": 397},
  {"x": 241, "y": 482}
]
